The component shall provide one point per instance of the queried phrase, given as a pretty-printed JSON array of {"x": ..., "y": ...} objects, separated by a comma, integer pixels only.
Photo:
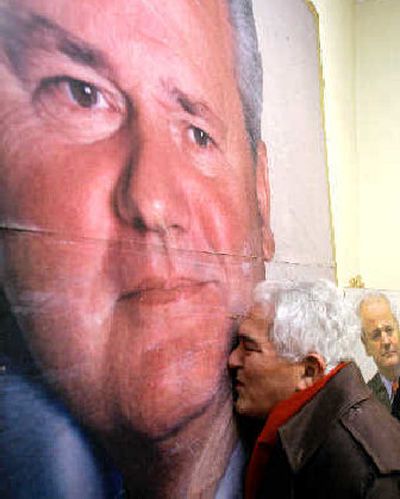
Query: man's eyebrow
[
  {"x": 246, "y": 337},
  {"x": 23, "y": 31},
  {"x": 190, "y": 106},
  {"x": 196, "y": 108}
]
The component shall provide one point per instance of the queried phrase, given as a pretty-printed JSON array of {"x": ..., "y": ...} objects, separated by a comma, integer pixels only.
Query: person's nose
[
  {"x": 386, "y": 339},
  {"x": 235, "y": 358},
  {"x": 153, "y": 192}
]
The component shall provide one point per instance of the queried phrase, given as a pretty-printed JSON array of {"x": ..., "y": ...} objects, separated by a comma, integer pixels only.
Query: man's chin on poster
[{"x": 134, "y": 208}]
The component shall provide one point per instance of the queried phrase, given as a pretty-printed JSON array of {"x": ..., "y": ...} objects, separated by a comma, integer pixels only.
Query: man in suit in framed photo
[{"x": 381, "y": 338}]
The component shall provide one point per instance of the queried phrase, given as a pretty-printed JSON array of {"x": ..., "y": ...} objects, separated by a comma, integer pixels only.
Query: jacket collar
[{"x": 303, "y": 433}]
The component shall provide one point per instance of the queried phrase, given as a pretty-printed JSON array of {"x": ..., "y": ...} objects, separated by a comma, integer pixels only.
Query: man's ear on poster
[
  {"x": 264, "y": 201},
  {"x": 365, "y": 342}
]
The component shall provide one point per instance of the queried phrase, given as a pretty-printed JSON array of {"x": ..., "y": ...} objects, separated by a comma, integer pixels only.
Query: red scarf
[{"x": 268, "y": 437}]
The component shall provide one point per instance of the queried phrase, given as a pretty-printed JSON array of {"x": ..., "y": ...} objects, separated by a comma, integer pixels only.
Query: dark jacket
[
  {"x": 342, "y": 444},
  {"x": 380, "y": 391}
]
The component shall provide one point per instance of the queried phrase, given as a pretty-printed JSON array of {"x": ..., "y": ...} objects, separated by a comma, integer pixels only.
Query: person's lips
[
  {"x": 158, "y": 292},
  {"x": 238, "y": 384},
  {"x": 389, "y": 353}
]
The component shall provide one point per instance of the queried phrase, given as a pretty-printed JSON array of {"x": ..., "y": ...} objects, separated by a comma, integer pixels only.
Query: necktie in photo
[{"x": 396, "y": 399}]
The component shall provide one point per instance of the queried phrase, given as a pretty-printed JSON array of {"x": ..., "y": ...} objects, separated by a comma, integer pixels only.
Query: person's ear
[
  {"x": 313, "y": 368},
  {"x": 263, "y": 198},
  {"x": 366, "y": 344}
]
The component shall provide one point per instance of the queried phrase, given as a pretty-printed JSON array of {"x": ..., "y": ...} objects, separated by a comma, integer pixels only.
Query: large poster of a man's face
[
  {"x": 134, "y": 213},
  {"x": 134, "y": 224}
]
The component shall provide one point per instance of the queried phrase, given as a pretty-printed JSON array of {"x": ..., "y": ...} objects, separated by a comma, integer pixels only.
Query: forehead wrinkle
[{"x": 25, "y": 31}]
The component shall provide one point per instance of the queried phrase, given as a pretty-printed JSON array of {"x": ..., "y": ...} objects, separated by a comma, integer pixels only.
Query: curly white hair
[{"x": 310, "y": 317}]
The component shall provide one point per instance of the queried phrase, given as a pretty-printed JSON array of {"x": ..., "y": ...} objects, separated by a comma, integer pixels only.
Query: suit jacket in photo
[{"x": 380, "y": 392}]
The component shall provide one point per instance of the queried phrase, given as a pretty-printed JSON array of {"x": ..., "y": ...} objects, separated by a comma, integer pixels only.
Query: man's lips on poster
[{"x": 156, "y": 291}]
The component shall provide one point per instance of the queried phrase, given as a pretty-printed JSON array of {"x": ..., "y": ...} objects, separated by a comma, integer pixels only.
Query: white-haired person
[{"x": 325, "y": 435}]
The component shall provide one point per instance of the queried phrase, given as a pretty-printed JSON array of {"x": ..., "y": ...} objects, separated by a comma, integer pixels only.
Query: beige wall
[
  {"x": 337, "y": 53},
  {"x": 378, "y": 140},
  {"x": 360, "y": 56}
]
